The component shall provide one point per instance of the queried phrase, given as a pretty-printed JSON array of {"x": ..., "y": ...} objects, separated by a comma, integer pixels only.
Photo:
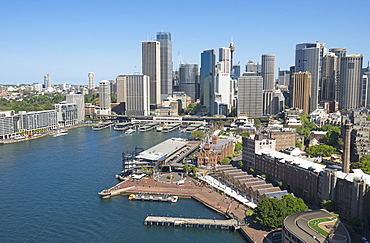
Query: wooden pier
[{"x": 230, "y": 224}]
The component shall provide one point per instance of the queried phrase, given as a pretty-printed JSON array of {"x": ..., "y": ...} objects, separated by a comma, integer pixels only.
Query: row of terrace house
[{"x": 254, "y": 188}]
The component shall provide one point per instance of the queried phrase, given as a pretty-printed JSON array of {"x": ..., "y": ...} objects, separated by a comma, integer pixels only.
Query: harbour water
[{"x": 49, "y": 188}]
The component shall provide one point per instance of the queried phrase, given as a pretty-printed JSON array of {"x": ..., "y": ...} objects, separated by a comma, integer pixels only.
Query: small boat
[
  {"x": 183, "y": 130},
  {"x": 131, "y": 197},
  {"x": 60, "y": 134},
  {"x": 104, "y": 194},
  {"x": 129, "y": 131},
  {"x": 159, "y": 129}
]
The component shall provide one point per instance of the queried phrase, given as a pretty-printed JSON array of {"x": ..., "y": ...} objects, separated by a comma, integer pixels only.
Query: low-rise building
[{"x": 213, "y": 152}]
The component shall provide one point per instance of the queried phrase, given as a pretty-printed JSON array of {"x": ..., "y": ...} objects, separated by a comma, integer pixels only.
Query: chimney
[{"x": 347, "y": 147}]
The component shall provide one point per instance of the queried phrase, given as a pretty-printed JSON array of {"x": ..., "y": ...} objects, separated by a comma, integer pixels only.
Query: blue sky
[{"x": 67, "y": 38}]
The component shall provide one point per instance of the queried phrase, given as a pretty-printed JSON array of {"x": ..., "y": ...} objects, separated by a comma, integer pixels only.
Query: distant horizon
[{"x": 71, "y": 38}]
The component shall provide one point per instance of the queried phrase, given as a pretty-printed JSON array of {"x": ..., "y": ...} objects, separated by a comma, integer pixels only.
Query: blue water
[{"x": 49, "y": 188}]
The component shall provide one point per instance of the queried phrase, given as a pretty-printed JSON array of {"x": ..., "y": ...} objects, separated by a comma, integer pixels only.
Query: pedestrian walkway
[{"x": 227, "y": 190}]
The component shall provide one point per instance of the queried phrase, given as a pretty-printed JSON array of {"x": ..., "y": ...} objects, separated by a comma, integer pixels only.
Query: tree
[
  {"x": 197, "y": 135},
  {"x": 257, "y": 123},
  {"x": 240, "y": 163},
  {"x": 332, "y": 134},
  {"x": 328, "y": 205},
  {"x": 244, "y": 134},
  {"x": 194, "y": 169},
  {"x": 225, "y": 161},
  {"x": 298, "y": 144},
  {"x": 320, "y": 151},
  {"x": 238, "y": 146},
  {"x": 363, "y": 164},
  {"x": 232, "y": 112},
  {"x": 307, "y": 127},
  {"x": 271, "y": 212},
  {"x": 186, "y": 168},
  {"x": 192, "y": 109}
]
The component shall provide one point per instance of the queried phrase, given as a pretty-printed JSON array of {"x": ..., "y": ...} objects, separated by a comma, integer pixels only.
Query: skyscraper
[
  {"x": 47, "y": 83},
  {"x": 250, "y": 96},
  {"x": 268, "y": 71},
  {"x": 91, "y": 80},
  {"x": 224, "y": 58},
  {"x": 302, "y": 91},
  {"x": 284, "y": 77},
  {"x": 251, "y": 66},
  {"x": 151, "y": 65},
  {"x": 207, "y": 81},
  {"x": 104, "y": 97},
  {"x": 137, "y": 94},
  {"x": 164, "y": 39},
  {"x": 308, "y": 57},
  {"x": 350, "y": 82},
  {"x": 188, "y": 80},
  {"x": 79, "y": 100},
  {"x": 329, "y": 77}
]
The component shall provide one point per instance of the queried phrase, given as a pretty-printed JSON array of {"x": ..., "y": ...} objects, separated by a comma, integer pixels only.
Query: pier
[
  {"x": 159, "y": 197},
  {"x": 230, "y": 224}
]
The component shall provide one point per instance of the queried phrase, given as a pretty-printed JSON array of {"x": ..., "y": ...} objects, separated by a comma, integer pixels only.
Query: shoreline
[
  {"x": 206, "y": 195},
  {"x": 43, "y": 135}
]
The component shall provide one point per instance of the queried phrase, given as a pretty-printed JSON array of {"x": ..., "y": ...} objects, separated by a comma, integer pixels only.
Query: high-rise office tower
[
  {"x": 223, "y": 92},
  {"x": 350, "y": 82},
  {"x": 207, "y": 81},
  {"x": 250, "y": 96},
  {"x": 273, "y": 101},
  {"x": 284, "y": 77},
  {"x": 302, "y": 91},
  {"x": 137, "y": 94},
  {"x": 91, "y": 80},
  {"x": 164, "y": 38},
  {"x": 268, "y": 71},
  {"x": 188, "y": 80},
  {"x": 121, "y": 88},
  {"x": 224, "y": 58},
  {"x": 47, "y": 83},
  {"x": 329, "y": 85},
  {"x": 104, "y": 97},
  {"x": 251, "y": 66},
  {"x": 151, "y": 65},
  {"x": 308, "y": 57},
  {"x": 339, "y": 52},
  {"x": 366, "y": 75},
  {"x": 79, "y": 100},
  {"x": 235, "y": 74}
]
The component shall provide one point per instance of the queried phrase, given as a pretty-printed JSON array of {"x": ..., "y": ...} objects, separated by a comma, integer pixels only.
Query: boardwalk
[{"x": 190, "y": 222}]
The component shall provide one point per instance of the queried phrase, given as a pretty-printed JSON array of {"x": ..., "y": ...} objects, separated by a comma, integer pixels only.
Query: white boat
[
  {"x": 129, "y": 131},
  {"x": 60, "y": 134}
]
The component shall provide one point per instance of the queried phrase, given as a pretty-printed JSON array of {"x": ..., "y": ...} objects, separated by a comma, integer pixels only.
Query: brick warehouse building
[{"x": 212, "y": 152}]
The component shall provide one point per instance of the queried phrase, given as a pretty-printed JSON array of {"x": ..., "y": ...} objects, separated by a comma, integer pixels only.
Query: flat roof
[
  {"x": 162, "y": 150},
  {"x": 303, "y": 163}
]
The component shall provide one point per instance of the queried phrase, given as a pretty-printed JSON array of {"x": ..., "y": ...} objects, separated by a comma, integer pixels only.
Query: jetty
[
  {"x": 193, "y": 127},
  {"x": 148, "y": 126},
  {"x": 171, "y": 127},
  {"x": 102, "y": 126},
  {"x": 230, "y": 224},
  {"x": 159, "y": 197}
]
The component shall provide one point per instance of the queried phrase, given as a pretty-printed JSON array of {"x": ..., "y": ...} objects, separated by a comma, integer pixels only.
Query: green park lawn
[{"x": 314, "y": 224}]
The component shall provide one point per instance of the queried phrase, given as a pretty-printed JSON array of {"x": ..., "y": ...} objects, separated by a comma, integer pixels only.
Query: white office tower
[
  {"x": 273, "y": 101},
  {"x": 151, "y": 65},
  {"x": 224, "y": 58},
  {"x": 79, "y": 100},
  {"x": 104, "y": 98},
  {"x": 350, "y": 82},
  {"x": 91, "y": 80},
  {"x": 136, "y": 94},
  {"x": 47, "y": 83},
  {"x": 250, "y": 95},
  {"x": 165, "y": 41},
  {"x": 37, "y": 87},
  {"x": 308, "y": 57},
  {"x": 223, "y": 93},
  {"x": 268, "y": 71},
  {"x": 251, "y": 66},
  {"x": 284, "y": 78}
]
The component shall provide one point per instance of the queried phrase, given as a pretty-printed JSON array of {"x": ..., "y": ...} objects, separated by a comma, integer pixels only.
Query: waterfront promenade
[{"x": 192, "y": 188}]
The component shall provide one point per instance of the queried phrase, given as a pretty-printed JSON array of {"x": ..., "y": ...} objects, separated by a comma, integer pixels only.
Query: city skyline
[{"x": 71, "y": 38}]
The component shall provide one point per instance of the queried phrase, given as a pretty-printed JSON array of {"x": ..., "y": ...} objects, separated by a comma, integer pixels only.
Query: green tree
[
  {"x": 186, "y": 168},
  {"x": 240, "y": 163},
  {"x": 238, "y": 146},
  {"x": 363, "y": 164},
  {"x": 197, "y": 135},
  {"x": 320, "y": 151},
  {"x": 225, "y": 161},
  {"x": 244, "y": 134},
  {"x": 113, "y": 98},
  {"x": 232, "y": 112},
  {"x": 257, "y": 123},
  {"x": 192, "y": 108},
  {"x": 307, "y": 127},
  {"x": 298, "y": 144},
  {"x": 194, "y": 169},
  {"x": 328, "y": 205},
  {"x": 270, "y": 212}
]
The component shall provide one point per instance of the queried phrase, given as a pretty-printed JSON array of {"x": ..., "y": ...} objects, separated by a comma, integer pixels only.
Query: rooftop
[{"x": 162, "y": 150}]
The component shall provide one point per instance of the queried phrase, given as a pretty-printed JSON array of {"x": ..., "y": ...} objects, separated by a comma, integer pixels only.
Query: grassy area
[{"x": 314, "y": 224}]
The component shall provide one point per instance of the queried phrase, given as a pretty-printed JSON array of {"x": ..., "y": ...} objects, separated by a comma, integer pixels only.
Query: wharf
[
  {"x": 148, "y": 126},
  {"x": 159, "y": 197},
  {"x": 230, "y": 224}
]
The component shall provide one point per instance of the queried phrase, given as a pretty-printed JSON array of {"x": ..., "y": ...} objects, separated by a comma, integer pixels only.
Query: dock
[
  {"x": 148, "y": 126},
  {"x": 159, "y": 197},
  {"x": 230, "y": 224}
]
